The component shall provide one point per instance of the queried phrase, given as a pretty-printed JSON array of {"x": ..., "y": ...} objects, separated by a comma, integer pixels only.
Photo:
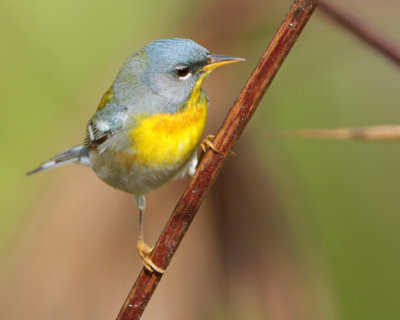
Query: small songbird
[{"x": 149, "y": 124}]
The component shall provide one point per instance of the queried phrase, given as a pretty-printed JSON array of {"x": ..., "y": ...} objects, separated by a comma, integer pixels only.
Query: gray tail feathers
[{"x": 78, "y": 154}]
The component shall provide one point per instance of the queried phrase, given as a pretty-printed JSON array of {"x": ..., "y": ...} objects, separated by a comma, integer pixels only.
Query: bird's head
[
  {"x": 164, "y": 75},
  {"x": 177, "y": 67}
]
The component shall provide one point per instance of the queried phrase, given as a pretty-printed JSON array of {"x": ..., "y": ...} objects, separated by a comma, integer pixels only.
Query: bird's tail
[{"x": 78, "y": 154}]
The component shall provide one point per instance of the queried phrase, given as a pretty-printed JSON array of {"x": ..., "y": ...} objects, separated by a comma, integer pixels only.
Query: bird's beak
[{"x": 216, "y": 61}]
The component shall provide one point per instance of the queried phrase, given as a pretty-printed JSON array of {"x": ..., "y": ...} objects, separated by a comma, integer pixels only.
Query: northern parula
[{"x": 149, "y": 123}]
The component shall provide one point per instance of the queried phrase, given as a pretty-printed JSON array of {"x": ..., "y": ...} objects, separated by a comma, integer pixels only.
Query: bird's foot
[
  {"x": 145, "y": 252},
  {"x": 207, "y": 143}
]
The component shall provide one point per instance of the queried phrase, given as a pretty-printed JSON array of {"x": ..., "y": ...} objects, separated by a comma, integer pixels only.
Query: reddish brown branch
[
  {"x": 211, "y": 164},
  {"x": 368, "y": 34}
]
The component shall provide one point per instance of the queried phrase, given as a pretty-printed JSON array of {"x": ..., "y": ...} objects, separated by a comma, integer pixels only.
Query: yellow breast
[{"x": 169, "y": 139}]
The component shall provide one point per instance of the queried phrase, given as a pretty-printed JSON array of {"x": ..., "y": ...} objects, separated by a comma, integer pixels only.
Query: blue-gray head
[{"x": 171, "y": 68}]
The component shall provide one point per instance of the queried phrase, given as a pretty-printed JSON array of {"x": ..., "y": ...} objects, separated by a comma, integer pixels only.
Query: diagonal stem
[
  {"x": 362, "y": 30},
  {"x": 211, "y": 164}
]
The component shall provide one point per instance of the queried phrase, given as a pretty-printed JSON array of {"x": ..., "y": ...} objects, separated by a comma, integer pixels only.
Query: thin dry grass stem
[
  {"x": 362, "y": 30},
  {"x": 211, "y": 164},
  {"x": 376, "y": 133}
]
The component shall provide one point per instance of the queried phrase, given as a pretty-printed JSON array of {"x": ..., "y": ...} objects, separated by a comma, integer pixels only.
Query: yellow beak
[{"x": 216, "y": 61}]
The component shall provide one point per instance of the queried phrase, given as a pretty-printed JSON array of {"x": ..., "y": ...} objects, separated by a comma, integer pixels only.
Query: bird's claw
[
  {"x": 207, "y": 143},
  {"x": 145, "y": 252}
]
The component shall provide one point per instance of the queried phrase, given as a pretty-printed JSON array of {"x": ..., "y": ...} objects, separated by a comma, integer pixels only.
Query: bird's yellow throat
[{"x": 167, "y": 139}]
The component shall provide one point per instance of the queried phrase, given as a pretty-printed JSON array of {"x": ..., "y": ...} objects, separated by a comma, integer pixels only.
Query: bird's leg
[
  {"x": 143, "y": 249},
  {"x": 207, "y": 143}
]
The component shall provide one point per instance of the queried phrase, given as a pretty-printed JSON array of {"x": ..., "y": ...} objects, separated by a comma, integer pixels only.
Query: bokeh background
[{"x": 293, "y": 229}]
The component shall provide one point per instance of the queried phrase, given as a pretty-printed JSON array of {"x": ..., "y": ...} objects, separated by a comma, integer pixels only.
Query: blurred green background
[{"x": 338, "y": 200}]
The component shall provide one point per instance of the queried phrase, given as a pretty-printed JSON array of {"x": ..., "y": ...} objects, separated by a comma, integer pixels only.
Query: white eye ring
[{"x": 183, "y": 73}]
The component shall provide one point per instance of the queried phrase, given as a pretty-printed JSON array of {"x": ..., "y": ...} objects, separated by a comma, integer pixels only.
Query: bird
[{"x": 149, "y": 124}]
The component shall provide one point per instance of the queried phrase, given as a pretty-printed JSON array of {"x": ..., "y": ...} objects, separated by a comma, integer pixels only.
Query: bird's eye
[{"x": 183, "y": 72}]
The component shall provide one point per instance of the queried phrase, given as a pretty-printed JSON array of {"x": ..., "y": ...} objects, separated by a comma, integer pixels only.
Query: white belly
[{"x": 134, "y": 178}]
